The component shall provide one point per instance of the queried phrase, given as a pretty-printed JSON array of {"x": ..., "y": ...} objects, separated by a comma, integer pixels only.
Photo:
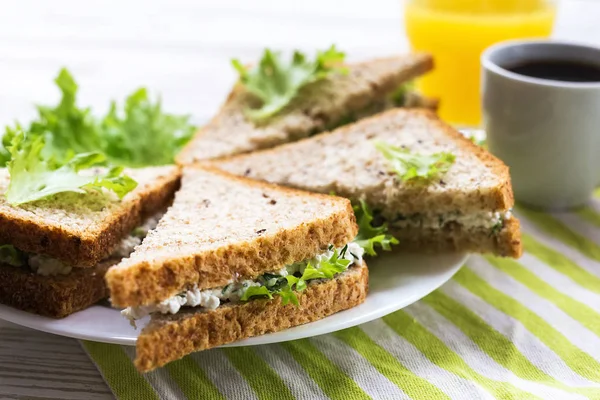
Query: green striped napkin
[{"x": 502, "y": 329}]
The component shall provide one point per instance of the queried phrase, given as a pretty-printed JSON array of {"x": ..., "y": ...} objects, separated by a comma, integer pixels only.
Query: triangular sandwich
[
  {"x": 54, "y": 252},
  {"x": 434, "y": 188},
  {"x": 365, "y": 89},
  {"x": 234, "y": 258}
]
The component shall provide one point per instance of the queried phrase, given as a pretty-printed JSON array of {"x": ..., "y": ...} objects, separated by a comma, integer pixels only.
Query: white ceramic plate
[{"x": 395, "y": 281}]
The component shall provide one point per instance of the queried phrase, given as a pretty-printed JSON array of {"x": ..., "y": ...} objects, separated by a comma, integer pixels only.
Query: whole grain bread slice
[
  {"x": 170, "y": 337},
  {"x": 81, "y": 230},
  {"x": 320, "y": 105},
  {"x": 347, "y": 163},
  {"x": 221, "y": 228},
  {"x": 458, "y": 238},
  {"x": 53, "y": 296}
]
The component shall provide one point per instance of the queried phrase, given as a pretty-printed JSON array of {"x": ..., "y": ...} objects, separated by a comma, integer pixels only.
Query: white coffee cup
[{"x": 546, "y": 131}]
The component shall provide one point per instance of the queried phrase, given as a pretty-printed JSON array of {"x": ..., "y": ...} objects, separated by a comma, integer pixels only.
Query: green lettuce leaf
[
  {"x": 370, "y": 236},
  {"x": 288, "y": 296},
  {"x": 286, "y": 287},
  {"x": 34, "y": 177},
  {"x": 285, "y": 291},
  {"x": 276, "y": 82},
  {"x": 11, "y": 256},
  {"x": 398, "y": 97},
  {"x": 143, "y": 134},
  {"x": 410, "y": 166},
  {"x": 114, "y": 180},
  {"x": 291, "y": 280},
  {"x": 256, "y": 291},
  {"x": 310, "y": 272},
  {"x": 327, "y": 269},
  {"x": 66, "y": 128},
  {"x": 4, "y": 144}
]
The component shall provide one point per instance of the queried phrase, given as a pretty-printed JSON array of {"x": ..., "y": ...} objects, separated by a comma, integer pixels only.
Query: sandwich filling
[
  {"x": 47, "y": 266},
  {"x": 284, "y": 282},
  {"x": 403, "y": 96},
  {"x": 486, "y": 220}
]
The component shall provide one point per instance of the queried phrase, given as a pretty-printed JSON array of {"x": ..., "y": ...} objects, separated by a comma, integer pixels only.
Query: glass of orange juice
[{"x": 456, "y": 32}]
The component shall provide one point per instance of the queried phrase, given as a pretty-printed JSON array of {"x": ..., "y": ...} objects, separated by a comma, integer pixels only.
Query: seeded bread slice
[
  {"x": 346, "y": 162},
  {"x": 455, "y": 237},
  {"x": 320, "y": 105},
  {"x": 221, "y": 228},
  {"x": 170, "y": 337},
  {"x": 82, "y": 230},
  {"x": 53, "y": 296}
]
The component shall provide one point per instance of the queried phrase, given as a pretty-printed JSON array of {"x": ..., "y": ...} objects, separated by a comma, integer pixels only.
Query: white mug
[{"x": 546, "y": 131}]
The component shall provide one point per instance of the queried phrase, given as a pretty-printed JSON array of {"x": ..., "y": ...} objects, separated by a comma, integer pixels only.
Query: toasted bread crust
[
  {"x": 149, "y": 279},
  {"x": 506, "y": 243},
  {"x": 312, "y": 112},
  {"x": 81, "y": 248},
  {"x": 168, "y": 338},
  {"x": 53, "y": 296}
]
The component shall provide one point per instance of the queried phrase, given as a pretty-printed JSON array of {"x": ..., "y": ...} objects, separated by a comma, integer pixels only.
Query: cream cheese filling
[
  {"x": 484, "y": 219},
  {"x": 48, "y": 266},
  {"x": 210, "y": 299}
]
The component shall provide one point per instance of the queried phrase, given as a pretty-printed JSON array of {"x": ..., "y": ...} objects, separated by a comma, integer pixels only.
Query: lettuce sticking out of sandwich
[
  {"x": 371, "y": 233},
  {"x": 11, "y": 256},
  {"x": 411, "y": 166},
  {"x": 372, "y": 230},
  {"x": 44, "y": 265},
  {"x": 34, "y": 176},
  {"x": 276, "y": 82},
  {"x": 284, "y": 283}
]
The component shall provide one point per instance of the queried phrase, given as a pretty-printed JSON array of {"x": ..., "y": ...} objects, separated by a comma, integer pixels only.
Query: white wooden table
[{"x": 181, "y": 49}]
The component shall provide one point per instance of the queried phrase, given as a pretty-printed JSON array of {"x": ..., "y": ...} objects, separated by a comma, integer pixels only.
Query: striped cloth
[{"x": 500, "y": 328}]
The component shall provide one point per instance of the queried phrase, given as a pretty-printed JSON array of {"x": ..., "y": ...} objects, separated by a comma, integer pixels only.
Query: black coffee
[{"x": 568, "y": 71}]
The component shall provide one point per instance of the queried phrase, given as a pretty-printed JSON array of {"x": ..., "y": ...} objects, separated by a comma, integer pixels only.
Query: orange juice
[{"x": 456, "y": 32}]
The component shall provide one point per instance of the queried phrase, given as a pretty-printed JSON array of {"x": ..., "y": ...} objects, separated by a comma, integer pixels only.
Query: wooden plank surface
[
  {"x": 39, "y": 365},
  {"x": 181, "y": 49}
]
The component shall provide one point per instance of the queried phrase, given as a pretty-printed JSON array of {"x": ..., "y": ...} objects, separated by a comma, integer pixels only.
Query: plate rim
[{"x": 31, "y": 321}]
